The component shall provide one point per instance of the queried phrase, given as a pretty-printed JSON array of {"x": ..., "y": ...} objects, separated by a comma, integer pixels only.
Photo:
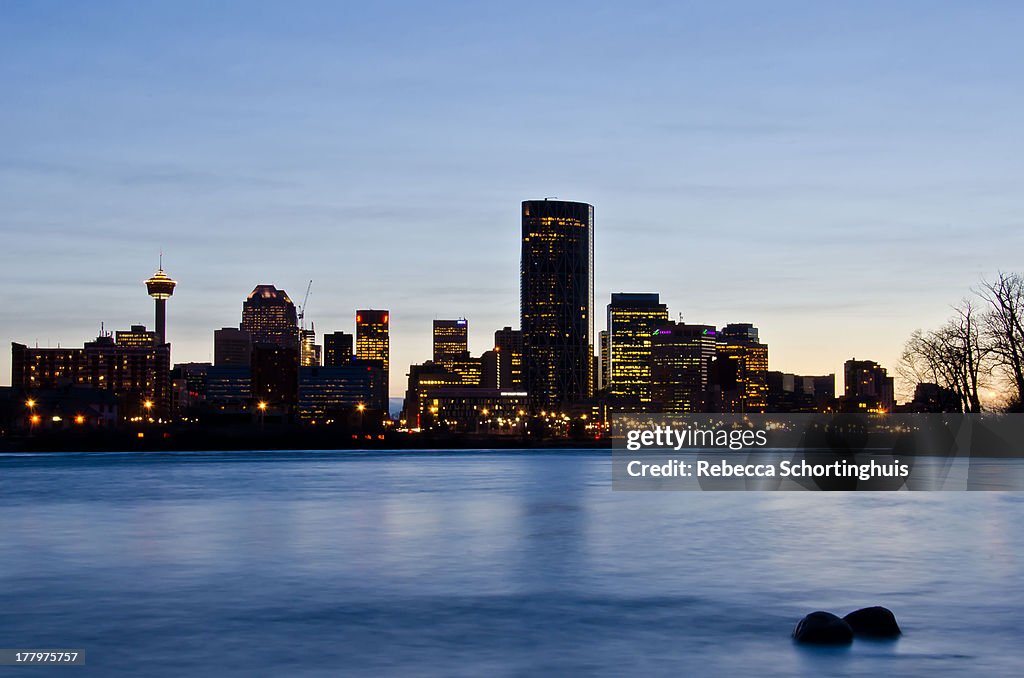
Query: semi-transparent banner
[{"x": 818, "y": 452}]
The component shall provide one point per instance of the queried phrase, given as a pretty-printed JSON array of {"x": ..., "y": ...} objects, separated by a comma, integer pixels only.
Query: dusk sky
[{"x": 837, "y": 173}]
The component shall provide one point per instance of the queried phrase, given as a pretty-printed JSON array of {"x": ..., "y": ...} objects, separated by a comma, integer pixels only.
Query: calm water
[{"x": 485, "y": 564}]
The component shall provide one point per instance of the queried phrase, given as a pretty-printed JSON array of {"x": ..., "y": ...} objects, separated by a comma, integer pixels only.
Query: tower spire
[{"x": 161, "y": 287}]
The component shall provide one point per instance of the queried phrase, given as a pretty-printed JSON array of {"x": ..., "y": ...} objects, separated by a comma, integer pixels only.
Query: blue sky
[{"x": 836, "y": 173}]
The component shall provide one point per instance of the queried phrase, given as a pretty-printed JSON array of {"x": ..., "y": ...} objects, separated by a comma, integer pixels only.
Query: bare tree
[
  {"x": 955, "y": 356},
  {"x": 1004, "y": 328}
]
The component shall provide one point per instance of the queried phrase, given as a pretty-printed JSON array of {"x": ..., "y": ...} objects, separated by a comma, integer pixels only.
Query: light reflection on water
[{"x": 309, "y": 564}]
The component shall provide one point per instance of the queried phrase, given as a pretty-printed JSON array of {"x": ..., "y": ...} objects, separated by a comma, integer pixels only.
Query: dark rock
[
  {"x": 873, "y": 622},
  {"x": 823, "y": 628}
]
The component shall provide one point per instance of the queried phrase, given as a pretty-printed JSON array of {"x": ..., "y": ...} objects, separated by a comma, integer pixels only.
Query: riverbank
[{"x": 284, "y": 438}]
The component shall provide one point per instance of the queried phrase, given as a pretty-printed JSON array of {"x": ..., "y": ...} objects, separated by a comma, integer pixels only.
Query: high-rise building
[
  {"x": 269, "y": 316},
  {"x": 451, "y": 340},
  {"x": 604, "y": 351},
  {"x": 232, "y": 347},
  {"x": 868, "y": 386},
  {"x": 275, "y": 375},
  {"x": 741, "y": 370},
  {"x": 557, "y": 301},
  {"x": 509, "y": 343},
  {"x": 136, "y": 337},
  {"x": 632, "y": 321},
  {"x": 309, "y": 350},
  {"x": 373, "y": 343},
  {"x": 337, "y": 349},
  {"x": 681, "y": 358},
  {"x": 161, "y": 287}
]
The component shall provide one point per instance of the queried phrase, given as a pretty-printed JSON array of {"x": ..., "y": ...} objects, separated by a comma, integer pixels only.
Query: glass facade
[
  {"x": 269, "y": 316},
  {"x": 681, "y": 358},
  {"x": 557, "y": 301},
  {"x": 451, "y": 340},
  {"x": 742, "y": 368},
  {"x": 373, "y": 343},
  {"x": 633, "y": 319}
]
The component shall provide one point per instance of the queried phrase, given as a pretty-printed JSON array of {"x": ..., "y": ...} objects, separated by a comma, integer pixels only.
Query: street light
[
  {"x": 360, "y": 407},
  {"x": 262, "y": 407},
  {"x": 33, "y": 418}
]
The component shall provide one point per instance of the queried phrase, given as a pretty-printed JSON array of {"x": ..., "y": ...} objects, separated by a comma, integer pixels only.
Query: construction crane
[{"x": 302, "y": 308}]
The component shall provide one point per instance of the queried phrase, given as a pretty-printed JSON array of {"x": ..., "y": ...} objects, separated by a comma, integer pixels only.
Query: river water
[{"x": 485, "y": 564}]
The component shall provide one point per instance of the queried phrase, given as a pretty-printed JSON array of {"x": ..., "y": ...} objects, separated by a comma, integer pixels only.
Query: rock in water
[
  {"x": 823, "y": 628},
  {"x": 873, "y": 622}
]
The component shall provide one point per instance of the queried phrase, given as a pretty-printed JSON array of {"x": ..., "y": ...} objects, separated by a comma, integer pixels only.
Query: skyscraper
[
  {"x": 337, "y": 349},
  {"x": 373, "y": 343},
  {"x": 632, "y": 320},
  {"x": 681, "y": 357},
  {"x": 451, "y": 340},
  {"x": 603, "y": 377},
  {"x": 232, "y": 347},
  {"x": 309, "y": 350},
  {"x": 509, "y": 343},
  {"x": 269, "y": 316},
  {"x": 557, "y": 301},
  {"x": 741, "y": 369}
]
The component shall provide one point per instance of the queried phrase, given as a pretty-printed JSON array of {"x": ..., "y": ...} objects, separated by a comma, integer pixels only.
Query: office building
[
  {"x": 604, "y": 352},
  {"x": 136, "y": 337},
  {"x": 340, "y": 395},
  {"x": 557, "y": 302},
  {"x": 232, "y": 347},
  {"x": 741, "y": 370},
  {"x": 269, "y": 316},
  {"x": 373, "y": 344},
  {"x": 451, "y": 340},
  {"x": 633, "y": 319},
  {"x": 509, "y": 343},
  {"x": 309, "y": 350},
  {"x": 229, "y": 389},
  {"x": 275, "y": 376},
  {"x": 681, "y": 359},
  {"x": 337, "y": 349}
]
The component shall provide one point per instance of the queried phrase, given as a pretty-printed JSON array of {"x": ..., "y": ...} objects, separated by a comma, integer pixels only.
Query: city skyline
[
  {"x": 747, "y": 163},
  {"x": 109, "y": 330}
]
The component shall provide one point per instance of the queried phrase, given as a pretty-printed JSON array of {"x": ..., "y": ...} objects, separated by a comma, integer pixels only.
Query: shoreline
[{"x": 164, "y": 440}]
